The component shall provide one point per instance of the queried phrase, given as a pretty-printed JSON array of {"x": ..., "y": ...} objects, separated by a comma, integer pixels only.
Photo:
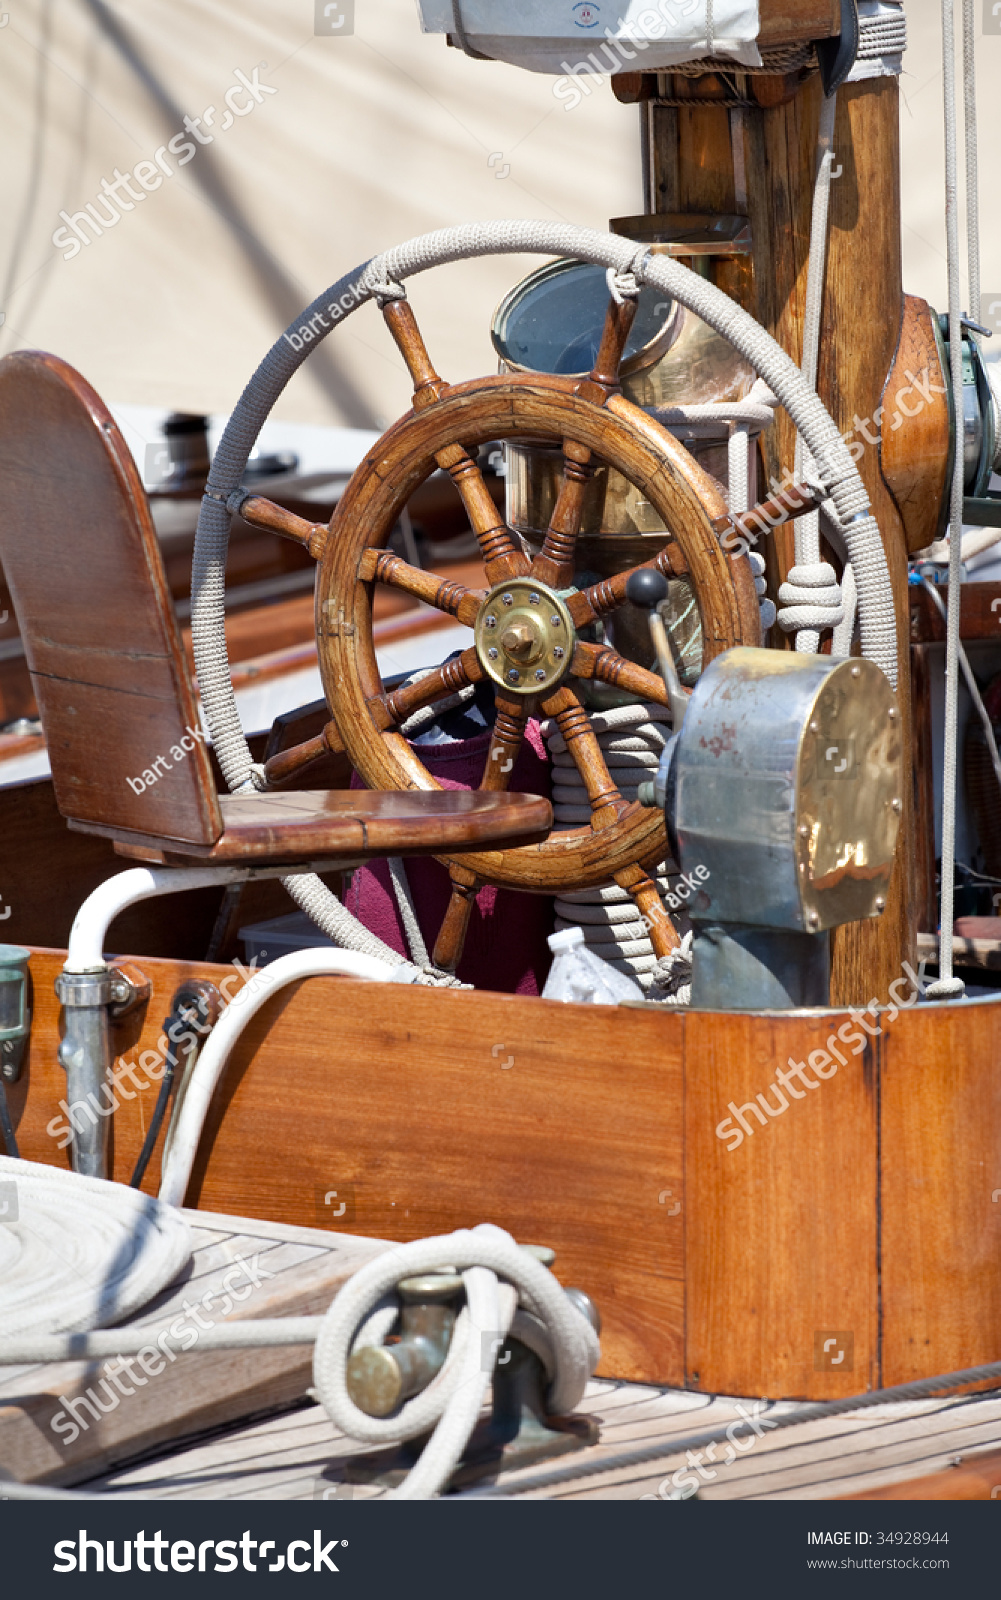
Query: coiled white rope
[
  {"x": 80, "y": 1253},
  {"x": 452, "y": 1401},
  {"x": 631, "y": 740}
]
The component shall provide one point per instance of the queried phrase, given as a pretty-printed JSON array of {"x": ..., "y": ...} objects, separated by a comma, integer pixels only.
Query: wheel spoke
[
  {"x": 447, "y": 679},
  {"x": 289, "y": 763},
  {"x": 505, "y": 742},
  {"x": 601, "y": 598},
  {"x": 602, "y": 662},
  {"x": 455, "y": 923},
  {"x": 605, "y": 372},
  {"x": 501, "y": 556},
  {"x": 663, "y": 933},
  {"x": 555, "y": 562},
  {"x": 262, "y": 513},
  {"x": 382, "y": 566},
  {"x": 581, "y": 741}
]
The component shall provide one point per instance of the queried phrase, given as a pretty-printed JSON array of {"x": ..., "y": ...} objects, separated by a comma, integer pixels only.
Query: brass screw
[
  {"x": 898, "y": 805},
  {"x": 813, "y": 919},
  {"x": 856, "y": 672},
  {"x": 814, "y": 726},
  {"x": 880, "y": 903},
  {"x": 803, "y": 830},
  {"x": 893, "y": 713}
]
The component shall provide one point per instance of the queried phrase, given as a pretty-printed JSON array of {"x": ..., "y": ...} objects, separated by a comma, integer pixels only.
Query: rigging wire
[{"x": 947, "y": 984}]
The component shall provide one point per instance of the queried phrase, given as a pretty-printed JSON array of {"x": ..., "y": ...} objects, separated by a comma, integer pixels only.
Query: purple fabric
[{"x": 506, "y": 946}]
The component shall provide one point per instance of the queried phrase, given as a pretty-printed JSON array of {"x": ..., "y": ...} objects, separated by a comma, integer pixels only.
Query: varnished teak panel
[{"x": 863, "y": 1207}]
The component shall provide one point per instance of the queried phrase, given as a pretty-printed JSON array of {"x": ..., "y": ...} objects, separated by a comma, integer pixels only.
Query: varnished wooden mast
[{"x": 692, "y": 169}]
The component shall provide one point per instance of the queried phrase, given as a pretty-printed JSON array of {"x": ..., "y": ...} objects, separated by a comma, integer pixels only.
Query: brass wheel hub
[{"x": 524, "y": 637}]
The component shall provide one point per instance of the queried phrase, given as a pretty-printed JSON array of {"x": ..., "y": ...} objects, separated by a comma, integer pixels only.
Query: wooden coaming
[{"x": 864, "y": 1207}]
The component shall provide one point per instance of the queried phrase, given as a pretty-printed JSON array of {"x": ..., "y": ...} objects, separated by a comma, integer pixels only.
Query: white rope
[
  {"x": 671, "y": 979},
  {"x": 81, "y": 1253},
  {"x": 810, "y": 596},
  {"x": 947, "y": 984},
  {"x": 408, "y": 911},
  {"x": 631, "y": 739},
  {"x": 841, "y": 639},
  {"x": 451, "y": 1403}
]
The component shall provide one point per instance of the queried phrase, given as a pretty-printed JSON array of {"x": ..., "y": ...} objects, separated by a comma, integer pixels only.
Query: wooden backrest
[{"x": 85, "y": 573}]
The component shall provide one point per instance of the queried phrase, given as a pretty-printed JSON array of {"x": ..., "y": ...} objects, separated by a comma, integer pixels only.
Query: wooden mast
[{"x": 691, "y": 167}]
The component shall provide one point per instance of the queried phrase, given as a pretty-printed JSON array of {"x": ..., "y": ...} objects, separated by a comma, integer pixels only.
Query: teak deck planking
[{"x": 932, "y": 1449}]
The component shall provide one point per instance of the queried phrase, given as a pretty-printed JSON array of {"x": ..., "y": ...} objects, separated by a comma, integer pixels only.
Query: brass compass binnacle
[{"x": 524, "y": 637}]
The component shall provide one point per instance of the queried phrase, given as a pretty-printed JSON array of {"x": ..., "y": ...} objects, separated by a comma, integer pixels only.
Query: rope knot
[
  {"x": 622, "y": 286},
  {"x": 811, "y": 598},
  {"x": 380, "y": 285}
]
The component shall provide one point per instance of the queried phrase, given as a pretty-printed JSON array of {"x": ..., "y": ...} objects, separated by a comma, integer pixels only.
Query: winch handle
[{"x": 646, "y": 589}]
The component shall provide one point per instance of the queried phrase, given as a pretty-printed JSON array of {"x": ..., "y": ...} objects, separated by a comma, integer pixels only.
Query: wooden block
[
  {"x": 781, "y": 1231},
  {"x": 940, "y": 1200}
]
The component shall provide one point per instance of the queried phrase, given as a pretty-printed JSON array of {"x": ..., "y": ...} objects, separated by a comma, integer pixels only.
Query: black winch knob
[{"x": 646, "y": 588}]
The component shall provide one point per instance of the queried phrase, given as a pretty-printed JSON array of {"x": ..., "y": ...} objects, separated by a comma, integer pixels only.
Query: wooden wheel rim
[{"x": 470, "y": 414}]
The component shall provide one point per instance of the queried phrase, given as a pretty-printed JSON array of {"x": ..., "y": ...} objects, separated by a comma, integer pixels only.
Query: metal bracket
[{"x": 121, "y": 988}]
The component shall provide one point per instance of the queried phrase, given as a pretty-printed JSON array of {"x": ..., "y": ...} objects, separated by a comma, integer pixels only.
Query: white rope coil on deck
[
  {"x": 81, "y": 1253},
  {"x": 452, "y": 1402}
]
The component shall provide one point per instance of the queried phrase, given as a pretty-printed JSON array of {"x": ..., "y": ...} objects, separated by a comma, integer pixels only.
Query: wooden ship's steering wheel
[
  {"x": 592, "y": 422},
  {"x": 525, "y": 621}
]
